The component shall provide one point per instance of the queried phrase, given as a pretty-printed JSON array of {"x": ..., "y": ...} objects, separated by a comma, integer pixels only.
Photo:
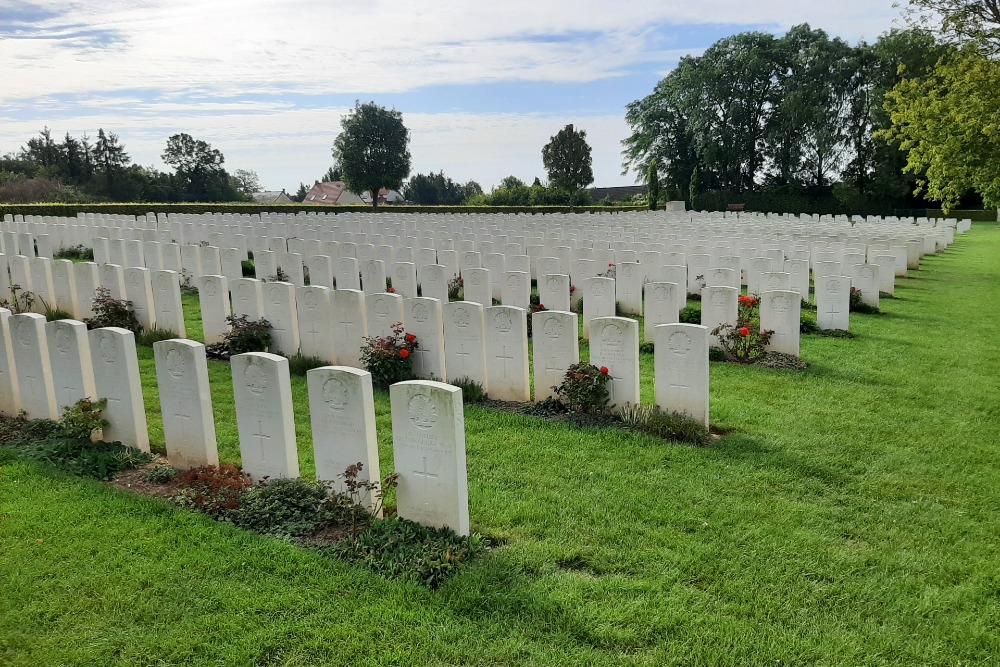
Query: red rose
[
  {"x": 392, "y": 290},
  {"x": 541, "y": 306},
  {"x": 744, "y": 332},
  {"x": 410, "y": 338},
  {"x": 611, "y": 263},
  {"x": 604, "y": 370},
  {"x": 572, "y": 288},
  {"x": 404, "y": 353}
]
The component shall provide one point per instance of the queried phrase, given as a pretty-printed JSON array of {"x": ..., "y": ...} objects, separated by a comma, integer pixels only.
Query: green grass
[{"x": 850, "y": 518}]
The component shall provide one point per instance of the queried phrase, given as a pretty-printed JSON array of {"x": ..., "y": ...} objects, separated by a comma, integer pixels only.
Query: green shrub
[
  {"x": 100, "y": 460},
  {"x": 472, "y": 391},
  {"x": 248, "y": 268},
  {"x": 690, "y": 314},
  {"x": 21, "y": 300},
  {"x": 154, "y": 335},
  {"x": 745, "y": 341},
  {"x": 54, "y": 313},
  {"x": 857, "y": 305},
  {"x": 281, "y": 508},
  {"x": 75, "y": 252},
  {"x": 83, "y": 418},
  {"x": 456, "y": 289},
  {"x": 647, "y": 347},
  {"x": 585, "y": 388},
  {"x": 299, "y": 364},
  {"x": 401, "y": 549},
  {"x": 807, "y": 322},
  {"x": 112, "y": 312},
  {"x": 389, "y": 358},
  {"x": 244, "y": 335},
  {"x": 673, "y": 426}
]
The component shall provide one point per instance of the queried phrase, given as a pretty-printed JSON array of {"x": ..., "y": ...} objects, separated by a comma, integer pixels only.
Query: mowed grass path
[{"x": 850, "y": 518}]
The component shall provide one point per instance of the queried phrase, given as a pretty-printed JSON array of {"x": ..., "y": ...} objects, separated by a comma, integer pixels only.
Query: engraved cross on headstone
[
  {"x": 261, "y": 437},
  {"x": 425, "y": 475},
  {"x": 505, "y": 357}
]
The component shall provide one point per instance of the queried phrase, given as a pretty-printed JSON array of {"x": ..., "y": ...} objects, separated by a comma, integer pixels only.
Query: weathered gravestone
[
  {"x": 69, "y": 357},
  {"x": 139, "y": 290},
  {"x": 264, "y": 415},
  {"x": 10, "y": 395},
  {"x": 167, "y": 308},
  {"x": 315, "y": 323},
  {"x": 614, "y": 343},
  {"x": 342, "y": 415},
  {"x": 350, "y": 325},
  {"x": 507, "y": 353},
  {"x": 383, "y": 310},
  {"x": 116, "y": 378},
  {"x": 465, "y": 342},
  {"x": 833, "y": 302},
  {"x": 681, "y": 369},
  {"x": 553, "y": 291},
  {"x": 280, "y": 311},
  {"x": 780, "y": 312},
  {"x": 213, "y": 298},
  {"x": 477, "y": 287},
  {"x": 31, "y": 363},
  {"x": 186, "y": 403},
  {"x": 598, "y": 301},
  {"x": 556, "y": 348},
  {"x": 428, "y": 442},
  {"x": 662, "y": 305},
  {"x": 422, "y": 317}
]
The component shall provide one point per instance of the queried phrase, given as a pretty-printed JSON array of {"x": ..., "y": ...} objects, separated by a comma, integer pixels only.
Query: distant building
[
  {"x": 331, "y": 192},
  {"x": 271, "y": 197},
  {"x": 385, "y": 196},
  {"x": 619, "y": 193}
]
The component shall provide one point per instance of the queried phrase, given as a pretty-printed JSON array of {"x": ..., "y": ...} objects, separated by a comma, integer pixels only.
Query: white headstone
[
  {"x": 315, "y": 323},
  {"x": 213, "y": 297},
  {"x": 865, "y": 278},
  {"x": 10, "y": 395},
  {"x": 681, "y": 369},
  {"x": 507, "y": 353},
  {"x": 556, "y": 347},
  {"x": 69, "y": 356},
  {"x": 477, "y": 286},
  {"x": 516, "y": 289},
  {"x": 87, "y": 282},
  {"x": 833, "y": 302},
  {"x": 598, "y": 301},
  {"x": 780, "y": 312},
  {"x": 428, "y": 442},
  {"x": 116, "y": 378},
  {"x": 342, "y": 415},
  {"x": 553, "y": 291},
  {"x": 265, "y": 415},
  {"x": 248, "y": 298},
  {"x": 422, "y": 317},
  {"x": 614, "y": 343},
  {"x": 719, "y": 305},
  {"x": 186, "y": 402},
  {"x": 31, "y": 361},
  {"x": 168, "y": 309},
  {"x": 350, "y": 325},
  {"x": 663, "y": 305},
  {"x": 280, "y": 311},
  {"x": 139, "y": 290},
  {"x": 464, "y": 342}
]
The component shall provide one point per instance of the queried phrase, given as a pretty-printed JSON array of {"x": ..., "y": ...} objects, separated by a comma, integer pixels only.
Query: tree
[
  {"x": 333, "y": 174},
  {"x": 433, "y": 190},
  {"x": 199, "y": 172},
  {"x": 949, "y": 122},
  {"x": 653, "y": 178},
  {"x": 963, "y": 21},
  {"x": 110, "y": 160},
  {"x": 247, "y": 181},
  {"x": 567, "y": 160},
  {"x": 510, "y": 182},
  {"x": 372, "y": 149},
  {"x": 300, "y": 194},
  {"x": 471, "y": 189}
]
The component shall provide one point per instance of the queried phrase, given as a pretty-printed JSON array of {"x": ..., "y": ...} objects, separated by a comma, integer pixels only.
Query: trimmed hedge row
[
  {"x": 70, "y": 210},
  {"x": 974, "y": 215}
]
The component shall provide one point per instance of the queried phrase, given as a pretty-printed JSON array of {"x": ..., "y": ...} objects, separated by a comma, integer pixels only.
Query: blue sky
[{"x": 482, "y": 86}]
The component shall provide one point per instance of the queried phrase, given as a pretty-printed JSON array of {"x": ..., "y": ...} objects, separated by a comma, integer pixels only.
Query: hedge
[{"x": 70, "y": 210}]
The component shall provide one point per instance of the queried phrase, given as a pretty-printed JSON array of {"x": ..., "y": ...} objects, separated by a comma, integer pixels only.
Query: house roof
[
  {"x": 269, "y": 196},
  {"x": 331, "y": 192}
]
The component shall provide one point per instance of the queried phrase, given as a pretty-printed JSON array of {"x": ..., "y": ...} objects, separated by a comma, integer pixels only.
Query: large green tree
[
  {"x": 372, "y": 149},
  {"x": 567, "y": 160},
  {"x": 199, "y": 175},
  {"x": 963, "y": 21},
  {"x": 433, "y": 190},
  {"x": 949, "y": 122}
]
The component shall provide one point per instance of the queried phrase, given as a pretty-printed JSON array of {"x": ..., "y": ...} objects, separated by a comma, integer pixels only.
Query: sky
[{"x": 482, "y": 86}]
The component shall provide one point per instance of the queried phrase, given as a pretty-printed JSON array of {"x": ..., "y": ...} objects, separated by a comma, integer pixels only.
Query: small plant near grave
[
  {"x": 550, "y": 407},
  {"x": 214, "y": 490},
  {"x": 579, "y": 306},
  {"x": 21, "y": 300},
  {"x": 472, "y": 391},
  {"x": 112, "y": 312},
  {"x": 659, "y": 423},
  {"x": 79, "y": 456},
  {"x": 299, "y": 364},
  {"x": 857, "y": 304},
  {"x": 456, "y": 289},
  {"x": 278, "y": 277},
  {"x": 244, "y": 335},
  {"x": 534, "y": 308},
  {"x": 585, "y": 388},
  {"x": 187, "y": 283},
  {"x": 363, "y": 499},
  {"x": 280, "y": 508},
  {"x": 389, "y": 358},
  {"x": 161, "y": 474},
  {"x": 401, "y": 549},
  {"x": 78, "y": 251},
  {"x": 84, "y": 418},
  {"x": 701, "y": 282},
  {"x": 247, "y": 268},
  {"x": 646, "y": 347},
  {"x": 807, "y": 322},
  {"x": 690, "y": 314},
  {"x": 53, "y": 312},
  {"x": 744, "y": 342},
  {"x": 611, "y": 272},
  {"x": 149, "y": 336}
]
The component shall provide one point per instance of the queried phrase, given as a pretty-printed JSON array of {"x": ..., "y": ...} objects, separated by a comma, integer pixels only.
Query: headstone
[
  {"x": 556, "y": 348},
  {"x": 681, "y": 369},
  {"x": 598, "y": 301},
  {"x": 347, "y": 274},
  {"x": 280, "y": 311},
  {"x": 350, "y": 325},
  {"x": 833, "y": 302},
  {"x": 507, "y": 353},
  {"x": 614, "y": 343},
  {"x": 428, "y": 442},
  {"x": 553, "y": 291},
  {"x": 865, "y": 278},
  {"x": 798, "y": 270},
  {"x": 116, "y": 378},
  {"x": 516, "y": 290},
  {"x": 404, "y": 279},
  {"x": 383, "y": 310},
  {"x": 780, "y": 312},
  {"x": 87, "y": 282},
  {"x": 719, "y": 305},
  {"x": 112, "y": 278},
  {"x": 465, "y": 342},
  {"x": 265, "y": 415},
  {"x": 41, "y": 283},
  {"x": 477, "y": 287},
  {"x": 213, "y": 298},
  {"x": 31, "y": 361},
  {"x": 10, "y": 395},
  {"x": 186, "y": 402},
  {"x": 628, "y": 287},
  {"x": 662, "y": 305},
  {"x": 265, "y": 265},
  {"x": 433, "y": 283},
  {"x": 316, "y": 323},
  {"x": 422, "y": 318},
  {"x": 342, "y": 415},
  {"x": 320, "y": 271},
  {"x": 139, "y": 290},
  {"x": 167, "y": 306},
  {"x": 64, "y": 284},
  {"x": 248, "y": 298},
  {"x": 69, "y": 357},
  {"x": 372, "y": 276}
]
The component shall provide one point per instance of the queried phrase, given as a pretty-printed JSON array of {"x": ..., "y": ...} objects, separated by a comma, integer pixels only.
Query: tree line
[{"x": 91, "y": 170}]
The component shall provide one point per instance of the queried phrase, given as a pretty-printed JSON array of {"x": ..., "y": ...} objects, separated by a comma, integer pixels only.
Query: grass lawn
[{"x": 851, "y": 517}]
